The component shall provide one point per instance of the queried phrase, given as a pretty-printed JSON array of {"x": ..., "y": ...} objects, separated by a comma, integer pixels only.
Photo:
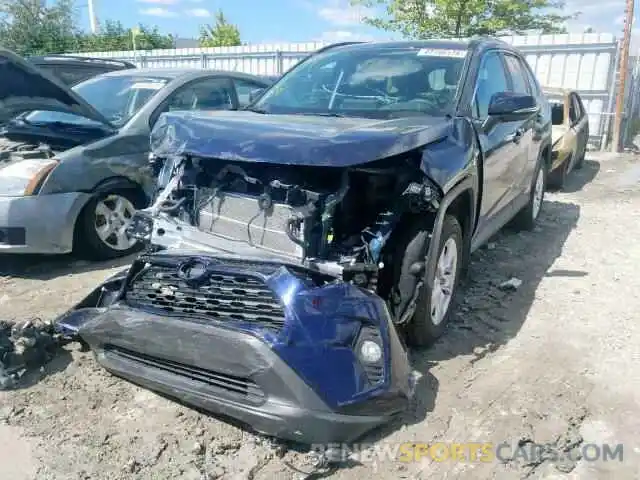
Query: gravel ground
[{"x": 554, "y": 361}]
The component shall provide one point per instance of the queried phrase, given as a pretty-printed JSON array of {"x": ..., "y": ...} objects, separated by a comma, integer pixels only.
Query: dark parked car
[
  {"x": 74, "y": 163},
  {"x": 291, "y": 243},
  {"x": 73, "y": 69}
]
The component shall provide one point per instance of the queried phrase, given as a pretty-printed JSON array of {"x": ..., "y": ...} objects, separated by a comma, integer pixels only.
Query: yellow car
[{"x": 570, "y": 134}]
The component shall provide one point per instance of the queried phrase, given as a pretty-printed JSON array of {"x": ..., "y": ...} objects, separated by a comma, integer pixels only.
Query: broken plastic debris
[{"x": 511, "y": 285}]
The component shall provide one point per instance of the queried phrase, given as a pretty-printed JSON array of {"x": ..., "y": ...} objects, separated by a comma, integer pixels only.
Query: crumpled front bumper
[{"x": 303, "y": 383}]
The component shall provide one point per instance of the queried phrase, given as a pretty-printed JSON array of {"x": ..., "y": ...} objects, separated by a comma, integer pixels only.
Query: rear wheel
[
  {"x": 580, "y": 158},
  {"x": 527, "y": 218},
  {"x": 558, "y": 177},
  {"x": 433, "y": 306},
  {"x": 102, "y": 228}
]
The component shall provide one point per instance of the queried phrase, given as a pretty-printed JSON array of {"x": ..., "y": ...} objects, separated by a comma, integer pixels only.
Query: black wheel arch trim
[
  {"x": 115, "y": 183},
  {"x": 463, "y": 186}
]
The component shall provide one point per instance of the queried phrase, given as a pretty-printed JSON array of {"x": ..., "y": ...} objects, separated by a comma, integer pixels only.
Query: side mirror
[
  {"x": 255, "y": 94},
  {"x": 508, "y": 106}
]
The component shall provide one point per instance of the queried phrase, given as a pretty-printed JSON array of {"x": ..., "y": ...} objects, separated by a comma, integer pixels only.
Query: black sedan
[{"x": 74, "y": 163}]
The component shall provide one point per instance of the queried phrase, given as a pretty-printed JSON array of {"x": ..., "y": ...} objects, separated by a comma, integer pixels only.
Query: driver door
[{"x": 497, "y": 144}]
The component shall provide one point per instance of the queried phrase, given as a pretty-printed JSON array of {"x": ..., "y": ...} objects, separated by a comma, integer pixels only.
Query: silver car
[{"x": 74, "y": 163}]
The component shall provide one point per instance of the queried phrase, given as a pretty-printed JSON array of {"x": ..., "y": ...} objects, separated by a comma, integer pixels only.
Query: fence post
[
  {"x": 612, "y": 95},
  {"x": 203, "y": 61},
  {"x": 279, "y": 62}
]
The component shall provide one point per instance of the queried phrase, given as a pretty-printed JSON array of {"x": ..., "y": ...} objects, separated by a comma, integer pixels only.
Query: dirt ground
[{"x": 555, "y": 361}]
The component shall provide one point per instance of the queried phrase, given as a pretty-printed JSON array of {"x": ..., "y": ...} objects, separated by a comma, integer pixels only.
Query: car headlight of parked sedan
[{"x": 25, "y": 177}]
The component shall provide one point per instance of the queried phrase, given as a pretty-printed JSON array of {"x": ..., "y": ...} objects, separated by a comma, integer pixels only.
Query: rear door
[{"x": 526, "y": 155}]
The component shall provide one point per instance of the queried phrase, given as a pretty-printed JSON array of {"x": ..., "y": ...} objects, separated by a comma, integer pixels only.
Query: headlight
[{"x": 25, "y": 177}]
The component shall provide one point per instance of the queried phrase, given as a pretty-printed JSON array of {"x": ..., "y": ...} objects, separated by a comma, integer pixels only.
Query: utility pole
[
  {"x": 93, "y": 21},
  {"x": 622, "y": 77}
]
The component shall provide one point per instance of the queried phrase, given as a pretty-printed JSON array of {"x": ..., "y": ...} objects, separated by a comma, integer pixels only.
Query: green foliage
[
  {"x": 221, "y": 34},
  {"x": 28, "y": 28},
  {"x": 114, "y": 36},
  {"x": 422, "y": 19}
]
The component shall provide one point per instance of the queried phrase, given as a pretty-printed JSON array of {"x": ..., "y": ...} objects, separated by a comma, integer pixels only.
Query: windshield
[
  {"x": 117, "y": 98},
  {"x": 369, "y": 82}
]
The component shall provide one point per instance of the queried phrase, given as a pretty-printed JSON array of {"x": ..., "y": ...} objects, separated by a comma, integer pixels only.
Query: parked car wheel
[
  {"x": 580, "y": 158},
  {"x": 527, "y": 218},
  {"x": 559, "y": 176},
  {"x": 103, "y": 223},
  {"x": 434, "y": 306}
]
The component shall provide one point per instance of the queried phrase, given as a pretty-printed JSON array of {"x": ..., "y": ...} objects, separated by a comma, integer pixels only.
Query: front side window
[
  {"x": 518, "y": 77},
  {"x": 117, "y": 98},
  {"x": 574, "y": 110},
  {"x": 369, "y": 82},
  {"x": 577, "y": 108},
  {"x": 205, "y": 94},
  {"x": 492, "y": 79},
  {"x": 244, "y": 89}
]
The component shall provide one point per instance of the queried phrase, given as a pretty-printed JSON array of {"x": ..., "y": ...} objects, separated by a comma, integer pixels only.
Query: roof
[
  {"x": 69, "y": 59},
  {"x": 450, "y": 44},
  {"x": 173, "y": 73}
]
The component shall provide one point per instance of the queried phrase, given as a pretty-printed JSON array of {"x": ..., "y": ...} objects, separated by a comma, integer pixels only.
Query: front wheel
[
  {"x": 102, "y": 229},
  {"x": 434, "y": 306}
]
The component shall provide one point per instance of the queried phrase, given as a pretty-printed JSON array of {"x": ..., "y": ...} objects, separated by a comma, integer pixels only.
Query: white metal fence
[{"x": 585, "y": 62}]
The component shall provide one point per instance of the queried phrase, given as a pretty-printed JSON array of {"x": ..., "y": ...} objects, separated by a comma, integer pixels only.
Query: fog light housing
[{"x": 370, "y": 351}]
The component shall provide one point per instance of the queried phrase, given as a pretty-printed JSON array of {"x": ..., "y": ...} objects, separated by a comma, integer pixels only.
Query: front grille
[
  {"x": 229, "y": 384},
  {"x": 224, "y": 297}
]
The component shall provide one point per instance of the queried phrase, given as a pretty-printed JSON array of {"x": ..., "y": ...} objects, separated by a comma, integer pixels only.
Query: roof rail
[
  {"x": 77, "y": 58},
  {"x": 335, "y": 45}
]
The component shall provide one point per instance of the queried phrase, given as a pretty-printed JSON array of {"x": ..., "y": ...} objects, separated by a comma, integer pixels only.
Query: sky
[{"x": 284, "y": 21}]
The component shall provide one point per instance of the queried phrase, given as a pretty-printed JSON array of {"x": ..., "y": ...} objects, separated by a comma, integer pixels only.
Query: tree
[
  {"x": 221, "y": 34},
  {"x": 421, "y": 19},
  {"x": 113, "y": 36},
  {"x": 30, "y": 28}
]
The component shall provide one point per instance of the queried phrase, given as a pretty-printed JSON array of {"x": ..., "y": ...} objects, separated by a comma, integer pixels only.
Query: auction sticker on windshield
[
  {"x": 442, "y": 52},
  {"x": 148, "y": 85}
]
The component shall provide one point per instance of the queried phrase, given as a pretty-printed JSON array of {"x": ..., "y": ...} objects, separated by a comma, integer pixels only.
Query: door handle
[{"x": 516, "y": 136}]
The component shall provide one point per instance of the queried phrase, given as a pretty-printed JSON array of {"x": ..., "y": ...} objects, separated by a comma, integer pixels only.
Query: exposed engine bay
[
  {"x": 335, "y": 220},
  {"x": 12, "y": 150}
]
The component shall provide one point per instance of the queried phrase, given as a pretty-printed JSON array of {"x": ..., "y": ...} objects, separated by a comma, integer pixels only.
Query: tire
[
  {"x": 527, "y": 218},
  {"x": 558, "y": 177},
  {"x": 425, "y": 327},
  {"x": 580, "y": 158},
  {"x": 90, "y": 243}
]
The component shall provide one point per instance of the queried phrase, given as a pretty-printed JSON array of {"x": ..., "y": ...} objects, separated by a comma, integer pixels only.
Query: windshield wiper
[
  {"x": 63, "y": 125},
  {"x": 323, "y": 114},
  {"x": 256, "y": 110}
]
